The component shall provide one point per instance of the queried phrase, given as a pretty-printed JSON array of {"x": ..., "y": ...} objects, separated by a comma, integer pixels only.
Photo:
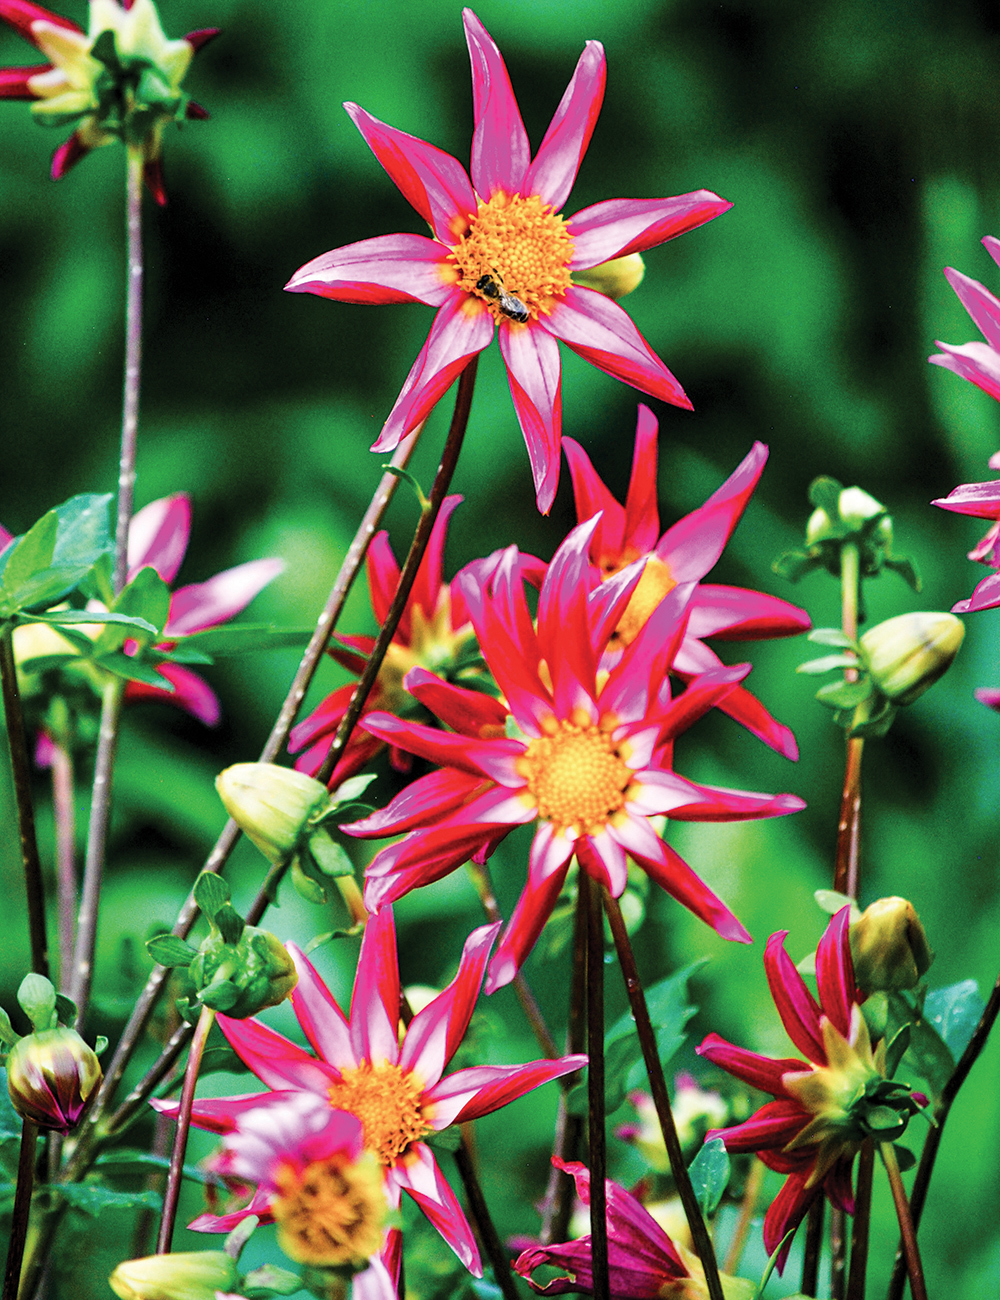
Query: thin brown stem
[
  {"x": 133, "y": 363},
  {"x": 838, "y": 1253},
  {"x": 175, "y": 1173},
  {"x": 486, "y": 1229},
  {"x": 751, "y": 1194},
  {"x": 861, "y": 1222},
  {"x": 914, "y": 1268},
  {"x": 596, "y": 1127},
  {"x": 846, "y": 864},
  {"x": 64, "y": 811},
  {"x": 20, "y": 766},
  {"x": 661, "y": 1099},
  {"x": 22, "y": 1210},
  {"x": 813, "y": 1246}
]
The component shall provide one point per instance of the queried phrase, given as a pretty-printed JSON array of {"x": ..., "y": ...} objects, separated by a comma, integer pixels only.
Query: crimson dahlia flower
[
  {"x": 582, "y": 752},
  {"x": 977, "y": 362},
  {"x": 685, "y": 553},
  {"x": 392, "y": 1083},
  {"x": 502, "y": 258}
]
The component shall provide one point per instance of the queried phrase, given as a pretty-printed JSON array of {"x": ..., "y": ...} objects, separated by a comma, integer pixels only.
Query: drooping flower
[
  {"x": 502, "y": 258},
  {"x": 685, "y": 553},
  {"x": 433, "y": 632},
  {"x": 395, "y": 1084},
  {"x": 979, "y": 363},
  {"x": 582, "y": 752},
  {"x": 643, "y": 1263},
  {"x": 823, "y": 1106},
  {"x": 127, "y": 91}
]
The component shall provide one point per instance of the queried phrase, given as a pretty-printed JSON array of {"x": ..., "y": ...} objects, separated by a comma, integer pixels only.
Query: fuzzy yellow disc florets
[
  {"x": 387, "y": 1101},
  {"x": 577, "y": 775},
  {"x": 332, "y": 1212}
]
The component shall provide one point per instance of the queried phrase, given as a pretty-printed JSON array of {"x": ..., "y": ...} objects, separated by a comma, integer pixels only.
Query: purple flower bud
[{"x": 50, "y": 1076}]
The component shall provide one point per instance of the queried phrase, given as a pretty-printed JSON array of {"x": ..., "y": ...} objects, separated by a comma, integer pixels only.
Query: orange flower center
[
  {"x": 655, "y": 583},
  {"x": 387, "y": 1101},
  {"x": 515, "y": 248},
  {"x": 332, "y": 1212},
  {"x": 576, "y": 774}
]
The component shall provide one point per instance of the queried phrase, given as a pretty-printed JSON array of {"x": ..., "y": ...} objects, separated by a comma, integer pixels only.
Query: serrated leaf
[
  {"x": 709, "y": 1172},
  {"x": 242, "y": 638},
  {"x": 170, "y": 950},
  {"x": 813, "y": 667},
  {"x": 954, "y": 1012},
  {"x": 830, "y": 636},
  {"x": 92, "y": 1199},
  {"x": 210, "y": 892}
]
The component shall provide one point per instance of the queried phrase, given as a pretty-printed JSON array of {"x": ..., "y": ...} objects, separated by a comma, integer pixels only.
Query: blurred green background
[{"x": 858, "y": 142}]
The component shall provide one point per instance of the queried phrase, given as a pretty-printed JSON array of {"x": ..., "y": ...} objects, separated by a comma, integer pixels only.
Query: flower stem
[
  {"x": 751, "y": 1192},
  {"x": 845, "y": 872},
  {"x": 428, "y": 515},
  {"x": 949, "y": 1092},
  {"x": 596, "y": 1130},
  {"x": 22, "y": 1210},
  {"x": 918, "y": 1288},
  {"x": 838, "y": 1253},
  {"x": 497, "y": 1254},
  {"x": 133, "y": 363},
  {"x": 861, "y": 1222},
  {"x": 658, "y": 1087},
  {"x": 175, "y": 1173},
  {"x": 64, "y": 812},
  {"x": 20, "y": 766},
  {"x": 813, "y": 1246}
]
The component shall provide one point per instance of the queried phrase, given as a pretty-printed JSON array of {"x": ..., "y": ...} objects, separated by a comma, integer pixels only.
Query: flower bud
[
  {"x": 855, "y": 507},
  {"x": 615, "y": 279},
  {"x": 188, "y": 1275},
  {"x": 889, "y": 947},
  {"x": 50, "y": 1076},
  {"x": 907, "y": 654},
  {"x": 272, "y": 805},
  {"x": 243, "y": 978}
]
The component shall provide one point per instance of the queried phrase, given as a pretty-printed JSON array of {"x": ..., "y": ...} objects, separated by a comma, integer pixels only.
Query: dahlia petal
[
  {"x": 260, "y": 1206},
  {"x": 673, "y": 874},
  {"x": 629, "y": 1222},
  {"x": 835, "y": 973},
  {"x": 738, "y": 614},
  {"x": 758, "y": 1071},
  {"x": 563, "y": 624},
  {"x": 603, "y": 334},
  {"x": 982, "y": 500},
  {"x": 14, "y": 82},
  {"x": 981, "y": 305},
  {"x": 514, "y": 656},
  {"x": 382, "y": 572},
  {"x": 797, "y": 1007},
  {"x": 442, "y": 791},
  {"x": 434, "y": 182},
  {"x": 723, "y": 805},
  {"x": 773, "y": 1126},
  {"x": 747, "y": 710},
  {"x": 837, "y": 1185},
  {"x": 386, "y": 269},
  {"x": 467, "y": 712},
  {"x": 152, "y": 175},
  {"x": 462, "y": 327},
  {"x": 705, "y": 692},
  {"x": 547, "y": 867},
  {"x": 434, "y": 1033},
  {"x": 617, "y": 227},
  {"x": 316, "y": 1009},
  {"x": 500, "y": 150},
  {"x": 20, "y": 14},
  {"x": 787, "y": 1211},
  {"x": 986, "y": 595},
  {"x": 642, "y": 515},
  {"x": 207, "y": 604},
  {"x": 421, "y": 1177},
  {"x": 274, "y": 1059},
  {"x": 428, "y": 585},
  {"x": 373, "y": 1283},
  {"x": 190, "y": 693},
  {"x": 988, "y": 695},
  {"x": 421, "y": 858},
  {"x": 488, "y": 1087},
  {"x": 603, "y": 858},
  {"x": 67, "y": 155},
  {"x": 490, "y": 758},
  {"x": 608, "y": 601},
  {"x": 591, "y": 498},
  {"x": 221, "y": 1114},
  {"x": 976, "y": 362},
  {"x": 641, "y": 670},
  {"x": 533, "y": 371},
  {"x": 158, "y": 536},
  {"x": 324, "y": 719},
  {"x": 375, "y": 1000},
  {"x": 552, "y": 174}
]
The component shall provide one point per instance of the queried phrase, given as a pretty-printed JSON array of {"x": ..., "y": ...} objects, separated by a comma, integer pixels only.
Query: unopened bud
[
  {"x": 889, "y": 947},
  {"x": 188, "y": 1275},
  {"x": 855, "y": 507},
  {"x": 272, "y": 805},
  {"x": 907, "y": 654},
  {"x": 243, "y": 978},
  {"x": 50, "y": 1076},
  {"x": 615, "y": 279}
]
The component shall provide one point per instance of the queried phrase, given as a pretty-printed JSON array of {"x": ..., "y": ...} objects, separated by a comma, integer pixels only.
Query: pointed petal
[
  {"x": 420, "y": 803},
  {"x": 20, "y": 14},
  {"x": 617, "y": 227},
  {"x": 748, "y": 711},
  {"x": 557, "y": 162},
  {"x": 722, "y": 805},
  {"x": 470, "y": 713},
  {"x": 207, "y": 604},
  {"x": 603, "y": 334},
  {"x": 704, "y": 692},
  {"x": 985, "y": 596},
  {"x": 375, "y": 1000},
  {"x": 642, "y": 515},
  {"x": 382, "y": 572},
  {"x": 158, "y": 536},
  {"x": 500, "y": 149},
  {"x": 421, "y": 1177},
  {"x": 673, "y": 874},
  {"x": 531, "y": 356},
  {"x": 67, "y": 155},
  {"x": 190, "y": 693},
  {"x": 221, "y": 1114},
  {"x": 434, "y": 1033},
  {"x": 591, "y": 498},
  {"x": 388, "y": 268},
  {"x": 772, "y": 1127},
  {"x": 981, "y": 500},
  {"x": 981, "y": 305},
  {"x": 738, "y": 614},
  {"x": 796, "y": 1005},
  {"x": 275, "y": 1060},
  {"x": 421, "y": 858},
  {"x": 547, "y": 867},
  {"x": 758, "y": 1071},
  {"x": 786, "y": 1211},
  {"x": 462, "y": 328},
  {"x": 563, "y": 624},
  {"x": 316, "y": 1010},
  {"x": 838, "y": 993},
  {"x": 14, "y": 82},
  {"x": 427, "y": 586},
  {"x": 976, "y": 362},
  {"x": 492, "y": 758},
  {"x": 692, "y": 546},
  {"x": 488, "y": 1087}
]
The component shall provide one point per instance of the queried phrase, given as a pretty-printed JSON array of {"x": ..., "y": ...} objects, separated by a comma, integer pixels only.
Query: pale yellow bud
[
  {"x": 907, "y": 654},
  {"x": 889, "y": 947},
  {"x": 188, "y": 1275},
  {"x": 615, "y": 279},
  {"x": 855, "y": 507},
  {"x": 271, "y": 805}
]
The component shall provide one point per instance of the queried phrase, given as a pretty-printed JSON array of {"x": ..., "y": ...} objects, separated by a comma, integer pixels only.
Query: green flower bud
[
  {"x": 855, "y": 507},
  {"x": 889, "y": 947},
  {"x": 50, "y": 1076},
  {"x": 907, "y": 654},
  {"x": 615, "y": 279},
  {"x": 188, "y": 1275},
  {"x": 243, "y": 978},
  {"x": 272, "y": 805}
]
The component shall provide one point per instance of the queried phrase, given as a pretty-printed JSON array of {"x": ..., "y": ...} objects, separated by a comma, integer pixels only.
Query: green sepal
[
  {"x": 793, "y": 565},
  {"x": 446, "y": 1139},
  {"x": 907, "y": 570},
  {"x": 827, "y": 663},
  {"x": 269, "y": 1280},
  {"x": 824, "y": 494},
  {"x": 306, "y": 885},
  {"x": 147, "y": 597},
  {"x": 8, "y": 1034},
  {"x": 832, "y": 636},
  {"x": 875, "y": 726},
  {"x": 170, "y": 950},
  {"x": 105, "y": 51},
  {"x": 231, "y": 925},
  {"x": 100, "y": 1045},
  {"x": 37, "y": 998},
  {"x": 844, "y": 695},
  {"x": 220, "y": 995},
  {"x": 318, "y": 940},
  {"x": 709, "y": 1172},
  {"x": 210, "y": 892},
  {"x": 329, "y": 856},
  {"x": 407, "y": 477},
  {"x": 772, "y": 1263},
  {"x": 240, "y": 1235}
]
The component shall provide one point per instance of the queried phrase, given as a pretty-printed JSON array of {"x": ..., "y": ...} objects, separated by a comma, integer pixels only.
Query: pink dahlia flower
[
  {"x": 395, "y": 1083},
  {"x": 502, "y": 258},
  {"x": 685, "y": 553},
  {"x": 982, "y": 501},
  {"x": 977, "y": 362},
  {"x": 581, "y": 752}
]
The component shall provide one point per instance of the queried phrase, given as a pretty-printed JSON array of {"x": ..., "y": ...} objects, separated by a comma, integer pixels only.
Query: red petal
[
  {"x": 533, "y": 372},
  {"x": 14, "y": 81},
  {"x": 758, "y": 1071},
  {"x": 375, "y": 1000},
  {"x": 388, "y": 268},
  {"x": 419, "y": 1175},
  {"x": 796, "y": 1005},
  {"x": 617, "y": 227},
  {"x": 158, "y": 536},
  {"x": 500, "y": 149},
  {"x": 20, "y": 14},
  {"x": 835, "y": 973}
]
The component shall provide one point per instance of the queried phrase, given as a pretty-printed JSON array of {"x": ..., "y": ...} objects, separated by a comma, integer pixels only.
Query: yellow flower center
[
  {"x": 576, "y": 774},
  {"x": 655, "y": 583},
  {"x": 387, "y": 1101},
  {"x": 330, "y": 1213},
  {"x": 515, "y": 248}
]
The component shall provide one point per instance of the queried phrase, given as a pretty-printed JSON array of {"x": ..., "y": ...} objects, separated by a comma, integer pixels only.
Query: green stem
[
  {"x": 596, "y": 1126},
  {"x": 914, "y": 1268},
  {"x": 20, "y": 766},
  {"x": 661, "y": 1098},
  {"x": 175, "y": 1174},
  {"x": 22, "y": 1210}
]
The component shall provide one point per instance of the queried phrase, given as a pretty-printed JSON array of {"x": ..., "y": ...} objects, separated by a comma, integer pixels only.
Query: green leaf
[
  {"x": 318, "y": 940},
  {"x": 241, "y": 638},
  {"x": 147, "y": 597},
  {"x": 92, "y": 1199},
  {"x": 895, "y": 1050},
  {"x": 831, "y": 902},
  {"x": 814, "y": 667},
  {"x": 83, "y": 535},
  {"x": 329, "y": 856},
  {"x": 954, "y": 1012},
  {"x": 709, "y": 1172},
  {"x": 930, "y": 1056},
  {"x": 214, "y": 1059},
  {"x": 844, "y": 695},
  {"x": 269, "y": 1279},
  {"x": 230, "y": 923},
  {"x": 771, "y": 1263},
  {"x": 65, "y": 1009},
  {"x": 133, "y": 670},
  {"x": 309, "y": 888},
  {"x": 66, "y": 617},
  {"x": 210, "y": 892},
  {"x": 133, "y": 1158},
  {"x": 31, "y": 556},
  {"x": 8, "y": 1034},
  {"x": 446, "y": 1139},
  {"x": 906, "y": 569},
  {"x": 619, "y": 1058},
  {"x": 353, "y": 788},
  {"x": 170, "y": 950},
  {"x": 831, "y": 636}
]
